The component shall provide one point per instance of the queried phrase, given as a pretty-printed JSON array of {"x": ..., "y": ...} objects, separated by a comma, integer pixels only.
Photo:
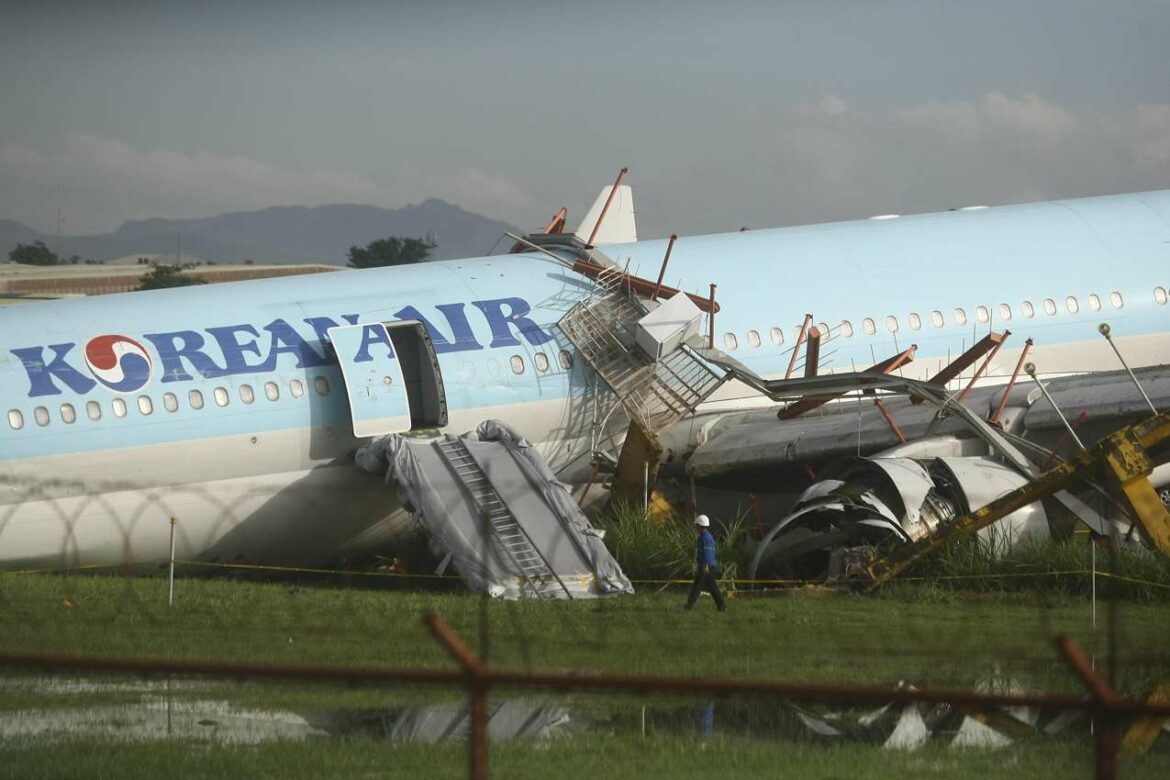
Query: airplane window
[
  {"x": 846, "y": 328},
  {"x": 868, "y": 326},
  {"x": 1005, "y": 311},
  {"x": 247, "y": 394},
  {"x": 93, "y": 409},
  {"x": 540, "y": 360},
  {"x": 936, "y": 318},
  {"x": 221, "y": 396},
  {"x": 1028, "y": 309},
  {"x": 982, "y": 314},
  {"x": 145, "y": 405},
  {"x": 195, "y": 398},
  {"x": 891, "y": 323},
  {"x": 321, "y": 385},
  {"x": 1094, "y": 302},
  {"x": 68, "y": 415},
  {"x": 777, "y": 335},
  {"x": 565, "y": 359},
  {"x": 119, "y": 407},
  {"x": 170, "y": 403},
  {"x": 467, "y": 372},
  {"x": 517, "y": 364},
  {"x": 753, "y": 338},
  {"x": 493, "y": 367},
  {"x": 960, "y": 317},
  {"x": 1160, "y": 296},
  {"x": 271, "y": 391},
  {"x": 1115, "y": 299},
  {"x": 296, "y": 387},
  {"x": 730, "y": 341},
  {"x": 1071, "y": 304},
  {"x": 15, "y": 420},
  {"x": 1049, "y": 307},
  {"x": 915, "y": 321},
  {"x": 41, "y": 415}
]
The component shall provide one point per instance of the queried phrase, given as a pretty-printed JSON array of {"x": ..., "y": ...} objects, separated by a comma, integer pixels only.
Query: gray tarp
[{"x": 540, "y": 504}]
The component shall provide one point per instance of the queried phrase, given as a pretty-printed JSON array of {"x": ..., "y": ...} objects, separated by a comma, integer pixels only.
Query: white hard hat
[{"x": 702, "y": 521}]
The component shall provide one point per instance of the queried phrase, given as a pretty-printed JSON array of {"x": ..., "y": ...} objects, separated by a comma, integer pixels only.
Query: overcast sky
[{"x": 759, "y": 113}]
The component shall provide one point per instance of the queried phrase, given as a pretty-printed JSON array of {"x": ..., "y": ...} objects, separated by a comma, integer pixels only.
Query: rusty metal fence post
[
  {"x": 1103, "y": 707},
  {"x": 477, "y": 687}
]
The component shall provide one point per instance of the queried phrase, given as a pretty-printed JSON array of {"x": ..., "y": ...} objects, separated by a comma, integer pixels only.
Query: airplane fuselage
[{"x": 225, "y": 407}]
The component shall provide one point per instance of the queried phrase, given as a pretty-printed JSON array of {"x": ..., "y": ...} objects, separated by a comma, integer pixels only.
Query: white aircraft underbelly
[{"x": 289, "y": 497}]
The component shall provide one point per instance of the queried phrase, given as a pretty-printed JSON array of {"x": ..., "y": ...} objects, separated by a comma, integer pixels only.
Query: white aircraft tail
[{"x": 618, "y": 226}]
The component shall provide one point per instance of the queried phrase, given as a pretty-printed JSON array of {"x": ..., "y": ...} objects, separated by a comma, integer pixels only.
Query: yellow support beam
[
  {"x": 639, "y": 458},
  {"x": 1121, "y": 456},
  {"x": 1128, "y": 469},
  {"x": 1144, "y": 731}
]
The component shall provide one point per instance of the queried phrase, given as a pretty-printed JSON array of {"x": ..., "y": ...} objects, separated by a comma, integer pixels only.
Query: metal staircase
[
  {"x": 518, "y": 548},
  {"x": 657, "y": 394}
]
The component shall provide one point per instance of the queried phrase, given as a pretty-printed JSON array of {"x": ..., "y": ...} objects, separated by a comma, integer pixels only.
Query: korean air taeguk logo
[{"x": 118, "y": 362}]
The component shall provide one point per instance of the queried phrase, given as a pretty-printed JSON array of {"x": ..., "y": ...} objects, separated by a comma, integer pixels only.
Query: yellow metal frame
[{"x": 1121, "y": 458}]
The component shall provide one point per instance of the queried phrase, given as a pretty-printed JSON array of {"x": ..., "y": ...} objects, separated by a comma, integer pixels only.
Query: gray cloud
[
  {"x": 827, "y": 161},
  {"x": 755, "y": 112},
  {"x": 102, "y": 182},
  {"x": 821, "y": 161}
]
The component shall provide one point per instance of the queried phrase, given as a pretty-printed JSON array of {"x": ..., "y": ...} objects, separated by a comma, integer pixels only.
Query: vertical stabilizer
[{"x": 618, "y": 226}]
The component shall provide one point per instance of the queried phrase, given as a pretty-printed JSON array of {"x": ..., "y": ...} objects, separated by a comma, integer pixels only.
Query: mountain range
[{"x": 281, "y": 234}]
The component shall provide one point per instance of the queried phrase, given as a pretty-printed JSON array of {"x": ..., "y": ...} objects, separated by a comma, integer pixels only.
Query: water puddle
[{"x": 158, "y": 710}]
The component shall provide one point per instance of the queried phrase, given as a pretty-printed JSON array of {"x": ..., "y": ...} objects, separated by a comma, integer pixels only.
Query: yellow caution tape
[{"x": 589, "y": 578}]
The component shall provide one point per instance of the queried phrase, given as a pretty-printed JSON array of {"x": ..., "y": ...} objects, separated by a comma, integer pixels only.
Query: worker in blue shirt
[{"x": 705, "y": 566}]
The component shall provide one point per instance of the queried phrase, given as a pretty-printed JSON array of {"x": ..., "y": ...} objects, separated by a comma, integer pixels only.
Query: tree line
[{"x": 380, "y": 253}]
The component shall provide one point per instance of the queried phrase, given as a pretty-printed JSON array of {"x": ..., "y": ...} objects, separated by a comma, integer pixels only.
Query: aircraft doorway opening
[{"x": 421, "y": 376}]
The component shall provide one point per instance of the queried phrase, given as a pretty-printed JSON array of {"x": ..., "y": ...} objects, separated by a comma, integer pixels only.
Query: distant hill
[
  {"x": 13, "y": 233},
  {"x": 281, "y": 234}
]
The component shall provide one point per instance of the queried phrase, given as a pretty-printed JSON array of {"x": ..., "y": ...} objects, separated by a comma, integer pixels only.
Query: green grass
[
  {"x": 922, "y": 634},
  {"x": 918, "y": 633},
  {"x": 1047, "y": 568},
  {"x": 652, "y": 552},
  {"x": 614, "y": 758}
]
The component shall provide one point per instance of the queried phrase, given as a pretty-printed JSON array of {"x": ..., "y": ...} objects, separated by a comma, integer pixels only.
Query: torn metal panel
[
  {"x": 866, "y": 502},
  {"x": 983, "y": 480}
]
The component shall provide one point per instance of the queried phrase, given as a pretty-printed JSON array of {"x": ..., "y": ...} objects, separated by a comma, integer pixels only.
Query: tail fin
[{"x": 618, "y": 226}]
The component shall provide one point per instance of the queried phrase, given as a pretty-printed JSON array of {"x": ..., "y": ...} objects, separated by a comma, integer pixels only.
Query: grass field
[
  {"x": 919, "y": 634},
  {"x": 614, "y": 758}
]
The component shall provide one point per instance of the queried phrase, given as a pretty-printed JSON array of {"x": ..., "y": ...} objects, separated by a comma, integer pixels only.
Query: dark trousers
[{"x": 706, "y": 581}]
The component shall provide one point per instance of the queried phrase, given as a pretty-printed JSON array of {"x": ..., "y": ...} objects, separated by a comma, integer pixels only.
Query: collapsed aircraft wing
[{"x": 1098, "y": 403}]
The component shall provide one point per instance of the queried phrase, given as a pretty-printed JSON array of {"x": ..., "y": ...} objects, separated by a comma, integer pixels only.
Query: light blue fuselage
[{"x": 493, "y": 323}]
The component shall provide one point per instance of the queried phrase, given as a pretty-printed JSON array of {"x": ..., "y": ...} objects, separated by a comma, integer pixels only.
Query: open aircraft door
[
  {"x": 373, "y": 379},
  {"x": 392, "y": 377}
]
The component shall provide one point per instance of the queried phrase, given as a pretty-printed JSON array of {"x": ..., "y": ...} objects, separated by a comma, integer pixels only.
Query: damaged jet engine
[{"x": 861, "y": 503}]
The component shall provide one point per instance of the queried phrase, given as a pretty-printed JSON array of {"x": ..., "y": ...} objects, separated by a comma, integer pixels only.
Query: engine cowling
[{"x": 864, "y": 502}]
